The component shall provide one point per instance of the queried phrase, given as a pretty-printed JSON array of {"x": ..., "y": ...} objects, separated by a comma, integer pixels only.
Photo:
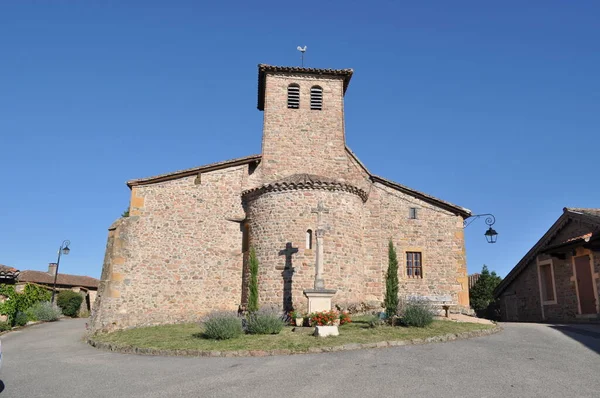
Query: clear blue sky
[{"x": 494, "y": 107}]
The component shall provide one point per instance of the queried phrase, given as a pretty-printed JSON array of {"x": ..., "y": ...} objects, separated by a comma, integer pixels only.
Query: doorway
[{"x": 585, "y": 287}]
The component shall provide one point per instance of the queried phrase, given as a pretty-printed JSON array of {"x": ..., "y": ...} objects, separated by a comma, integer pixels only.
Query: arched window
[
  {"x": 316, "y": 98},
  {"x": 309, "y": 239},
  {"x": 293, "y": 96}
]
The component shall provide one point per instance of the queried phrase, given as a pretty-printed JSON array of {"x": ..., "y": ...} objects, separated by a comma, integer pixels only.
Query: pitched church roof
[
  {"x": 589, "y": 216},
  {"x": 256, "y": 158},
  {"x": 194, "y": 170}
]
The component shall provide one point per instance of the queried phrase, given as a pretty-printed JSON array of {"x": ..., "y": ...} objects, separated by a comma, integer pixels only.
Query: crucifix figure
[
  {"x": 320, "y": 232},
  {"x": 320, "y": 209}
]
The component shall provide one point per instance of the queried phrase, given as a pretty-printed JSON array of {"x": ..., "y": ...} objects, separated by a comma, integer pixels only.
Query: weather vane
[{"x": 302, "y": 50}]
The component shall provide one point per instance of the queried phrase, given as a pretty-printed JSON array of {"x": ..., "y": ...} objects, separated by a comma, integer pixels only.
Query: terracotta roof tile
[
  {"x": 63, "y": 279},
  {"x": 306, "y": 181},
  {"x": 6, "y": 271},
  {"x": 590, "y": 212}
]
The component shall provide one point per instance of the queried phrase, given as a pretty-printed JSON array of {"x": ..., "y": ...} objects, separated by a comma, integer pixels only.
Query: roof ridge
[
  {"x": 423, "y": 196},
  {"x": 193, "y": 170}
]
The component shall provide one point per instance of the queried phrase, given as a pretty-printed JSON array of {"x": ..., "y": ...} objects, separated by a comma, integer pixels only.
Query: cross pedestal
[{"x": 319, "y": 299}]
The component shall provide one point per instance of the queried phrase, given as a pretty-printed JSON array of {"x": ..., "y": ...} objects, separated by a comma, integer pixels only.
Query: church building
[{"x": 183, "y": 251}]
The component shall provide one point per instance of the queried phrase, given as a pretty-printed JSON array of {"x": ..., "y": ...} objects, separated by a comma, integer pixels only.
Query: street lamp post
[
  {"x": 63, "y": 249},
  {"x": 490, "y": 235}
]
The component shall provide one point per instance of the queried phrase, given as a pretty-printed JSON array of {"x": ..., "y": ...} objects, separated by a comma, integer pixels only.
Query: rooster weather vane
[{"x": 302, "y": 50}]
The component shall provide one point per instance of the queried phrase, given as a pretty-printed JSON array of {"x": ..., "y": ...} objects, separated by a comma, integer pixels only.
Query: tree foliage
[
  {"x": 253, "y": 295},
  {"x": 481, "y": 294},
  {"x": 391, "y": 283},
  {"x": 69, "y": 302},
  {"x": 20, "y": 302}
]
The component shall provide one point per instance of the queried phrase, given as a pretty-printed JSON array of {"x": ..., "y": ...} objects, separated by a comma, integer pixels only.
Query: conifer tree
[
  {"x": 482, "y": 293},
  {"x": 253, "y": 296},
  {"x": 391, "y": 283}
]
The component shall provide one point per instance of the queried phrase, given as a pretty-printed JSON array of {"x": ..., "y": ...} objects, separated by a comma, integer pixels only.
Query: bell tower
[{"x": 303, "y": 125}]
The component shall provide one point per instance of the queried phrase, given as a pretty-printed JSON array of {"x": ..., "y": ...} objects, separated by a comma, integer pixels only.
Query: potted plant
[
  {"x": 326, "y": 323},
  {"x": 298, "y": 317}
]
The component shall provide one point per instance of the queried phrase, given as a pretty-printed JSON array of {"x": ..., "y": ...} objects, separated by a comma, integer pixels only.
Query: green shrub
[
  {"x": 264, "y": 321},
  {"x": 4, "y": 326},
  {"x": 222, "y": 326},
  {"x": 69, "y": 302},
  {"x": 21, "y": 319},
  {"x": 253, "y": 294},
  {"x": 19, "y": 302},
  {"x": 391, "y": 283},
  {"x": 417, "y": 314},
  {"x": 43, "y": 311}
]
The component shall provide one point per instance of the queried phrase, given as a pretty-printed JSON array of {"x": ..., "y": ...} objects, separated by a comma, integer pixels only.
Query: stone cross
[
  {"x": 319, "y": 283},
  {"x": 320, "y": 209}
]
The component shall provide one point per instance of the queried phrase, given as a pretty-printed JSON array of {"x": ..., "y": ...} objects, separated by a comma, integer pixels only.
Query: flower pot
[
  {"x": 324, "y": 331},
  {"x": 299, "y": 321}
]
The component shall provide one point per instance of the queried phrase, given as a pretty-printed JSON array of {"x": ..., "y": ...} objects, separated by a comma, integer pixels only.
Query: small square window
[{"x": 412, "y": 214}]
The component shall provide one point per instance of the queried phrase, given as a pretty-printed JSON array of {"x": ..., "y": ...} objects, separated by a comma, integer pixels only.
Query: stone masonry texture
[{"x": 181, "y": 253}]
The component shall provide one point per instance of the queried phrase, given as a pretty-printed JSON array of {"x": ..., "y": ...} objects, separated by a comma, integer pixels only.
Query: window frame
[
  {"x": 296, "y": 86},
  {"x": 320, "y": 108},
  {"x": 309, "y": 239},
  {"x": 546, "y": 263},
  {"x": 416, "y": 213},
  {"x": 409, "y": 260}
]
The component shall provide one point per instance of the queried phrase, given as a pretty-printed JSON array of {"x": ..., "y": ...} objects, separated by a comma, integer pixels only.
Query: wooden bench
[{"x": 444, "y": 302}]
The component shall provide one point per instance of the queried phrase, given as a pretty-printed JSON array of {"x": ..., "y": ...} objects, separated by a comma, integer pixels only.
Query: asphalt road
[{"x": 525, "y": 360}]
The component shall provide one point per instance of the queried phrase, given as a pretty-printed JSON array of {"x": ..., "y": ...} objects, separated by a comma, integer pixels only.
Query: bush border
[{"x": 127, "y": 349}]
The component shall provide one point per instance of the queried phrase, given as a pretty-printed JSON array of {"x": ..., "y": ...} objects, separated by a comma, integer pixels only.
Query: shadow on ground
[{"x": 588, "y": 335}]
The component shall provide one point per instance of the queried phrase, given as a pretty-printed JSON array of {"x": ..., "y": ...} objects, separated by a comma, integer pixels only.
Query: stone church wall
[
  {"x": 436, "y": 233},
  {"x": 177, "y": 256},
  {"x": 277, "y": 218}
]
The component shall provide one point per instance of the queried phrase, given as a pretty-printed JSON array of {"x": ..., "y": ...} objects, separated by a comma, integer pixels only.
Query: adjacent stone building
[
  {"x": 183, "y": 250},
  {"x": 86, "y": 286},
  {"x": 559, "y": 278}
]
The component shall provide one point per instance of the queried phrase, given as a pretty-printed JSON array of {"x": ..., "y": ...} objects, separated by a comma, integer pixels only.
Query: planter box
[{"x": 324, "y": 331}]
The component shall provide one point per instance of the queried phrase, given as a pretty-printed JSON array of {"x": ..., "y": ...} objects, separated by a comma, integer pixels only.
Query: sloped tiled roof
[
  {"x": 8, "y": 272},
  {"x": 423, "y": 196},
  {"x": 307, "y": 181},
  {"x": 63, "y": 279},
  {"x": 257, "y": 158},
  {"x": 592, "y": 214},
  {"x": 194, "y": 170}
]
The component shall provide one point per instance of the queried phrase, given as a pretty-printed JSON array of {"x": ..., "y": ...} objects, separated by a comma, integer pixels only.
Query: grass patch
[{"x": 189, "y": 336}]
